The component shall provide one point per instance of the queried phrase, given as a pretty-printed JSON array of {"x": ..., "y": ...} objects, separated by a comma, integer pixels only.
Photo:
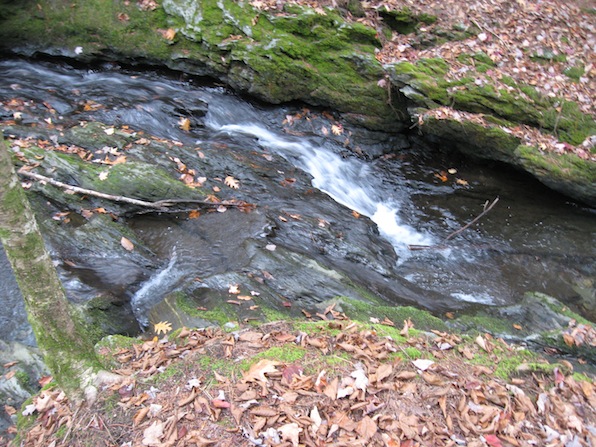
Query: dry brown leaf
[
  {"x": 331, "y": 389},
  {"x": 383, "y": 371},
  {"x": 258, "y": 371},
  {"x": 366, "y": 428},
  {"x": 140, "y": 415},
  {"x": 153, "y": 434}
]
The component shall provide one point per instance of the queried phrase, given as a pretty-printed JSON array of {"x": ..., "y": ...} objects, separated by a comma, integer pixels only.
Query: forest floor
[
  {"x": 336, "y": 382},
  {"x": 331, "y": 382}
]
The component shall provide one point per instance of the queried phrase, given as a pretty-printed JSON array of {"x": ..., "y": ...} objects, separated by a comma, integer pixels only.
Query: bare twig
[
  {"x": 442, "y": 245},
  {"x": 160, "y": 205},
  {"x": 487, "y": 208}
]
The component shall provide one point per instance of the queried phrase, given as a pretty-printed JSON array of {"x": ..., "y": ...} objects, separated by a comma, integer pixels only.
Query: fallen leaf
[
  {"x": 234, "y": 289},
  {"x": 232, "y": 182},
  {"x": 152, "y": 435},
  {"x": 441, "y": 176},
  {"x": 194, "y": 214},
  {"x": 184, "y": 124},
  {"x": 383, "y": 371},
  {"x": 258, "y": 371},
  {"x": 493, "y": 440},
  {"x": 481, "y": 342},
  {"x": 290, "y": 432},
  {"x": 360, "y": 379},
  {"x": 422, "y": 364},
  {"x": 366, "y": 428},
  {"x": 162, "y": 326},
  {"x": 127, "y": 244}
]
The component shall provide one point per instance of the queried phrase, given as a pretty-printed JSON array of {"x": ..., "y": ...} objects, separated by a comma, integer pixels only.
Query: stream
[{"x": 385, "y": 201}]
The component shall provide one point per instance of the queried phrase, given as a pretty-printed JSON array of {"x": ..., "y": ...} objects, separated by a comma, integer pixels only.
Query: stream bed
[{"x": 331, "y": 202}]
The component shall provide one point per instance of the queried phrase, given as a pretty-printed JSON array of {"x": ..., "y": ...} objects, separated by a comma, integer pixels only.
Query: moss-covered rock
[{"x": 299, "y": 55}]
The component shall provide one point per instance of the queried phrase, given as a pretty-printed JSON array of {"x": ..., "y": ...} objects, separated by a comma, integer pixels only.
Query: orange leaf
[
  {"x": 194, "y": 214},
  {"x": 441, "y": 176}
]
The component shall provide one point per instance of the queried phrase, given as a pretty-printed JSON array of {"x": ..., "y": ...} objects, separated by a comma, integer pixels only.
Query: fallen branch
[
  {"x": 160, "y": 205},
  {"x": 442, "y": 245}
]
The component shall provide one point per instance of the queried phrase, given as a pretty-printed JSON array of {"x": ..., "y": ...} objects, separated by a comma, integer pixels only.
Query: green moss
[
  {"x": 393, "y": 332},
  {"x": 548, "y": 56},
  {"x": 92, "y": 24},
  {"x": 174, "y": 371},
  {"x": 220, "y": 314},
  {"x": 274, "y": 314},
  {"x": 574, "y": 72},
  {"x": 287, "y": 353},
  {"x": 580, "y": 377},
  {"x": 411, "y": 353},
  {"x": 561, "y": 167},
  {"x": 404, "y": 20},
  {"x": 483, "y": 323},
  {"x": 508, "y": 365},
  {"x": 363, "y": 311}
]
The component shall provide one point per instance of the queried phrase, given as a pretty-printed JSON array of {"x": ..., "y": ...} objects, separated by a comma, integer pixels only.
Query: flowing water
[{"x": 533, "y": 240}]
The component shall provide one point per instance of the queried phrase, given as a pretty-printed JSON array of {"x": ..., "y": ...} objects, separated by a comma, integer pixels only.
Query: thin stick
[
  {"x": 159, "y": 205},
  {"x": 472, "y": 222},
  {"x": 442, "y": 245}
]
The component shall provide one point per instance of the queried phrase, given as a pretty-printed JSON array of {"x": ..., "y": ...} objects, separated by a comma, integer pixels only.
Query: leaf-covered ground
[{"x": 330, "y": 382}]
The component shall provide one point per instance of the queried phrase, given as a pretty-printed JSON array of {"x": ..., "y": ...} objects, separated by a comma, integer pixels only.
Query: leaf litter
[{"x": 351, "y": 387}]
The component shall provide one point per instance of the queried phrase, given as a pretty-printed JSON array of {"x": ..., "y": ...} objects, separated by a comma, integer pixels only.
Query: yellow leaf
[
  {"x": 232, "y": 182},
  {"x": 162, "y": 326},
  {"x": 184, "y": 124},
  {"x": 234, "y": 289},
  {"x": 127, "y": 244},
  {"x": 462, "y": 182},
  {"x": 194, "y": 214},
  {"x": 337, "y": 129}
]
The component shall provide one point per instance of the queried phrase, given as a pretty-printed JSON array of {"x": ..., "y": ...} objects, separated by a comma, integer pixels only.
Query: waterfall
[
  {"x": 154, "y": 290},
  {"x": 348, "y": 181}
]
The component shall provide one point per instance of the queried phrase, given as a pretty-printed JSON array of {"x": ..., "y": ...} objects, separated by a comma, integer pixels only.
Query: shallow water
[{"x": 533, "y": 240}]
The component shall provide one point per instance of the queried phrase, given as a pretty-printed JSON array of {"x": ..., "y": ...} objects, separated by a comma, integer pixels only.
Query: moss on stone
[
  {"x": 363, "y": 311},
  {"x": 566, "y": 173},
  {"x": 220, "y": 314}
]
